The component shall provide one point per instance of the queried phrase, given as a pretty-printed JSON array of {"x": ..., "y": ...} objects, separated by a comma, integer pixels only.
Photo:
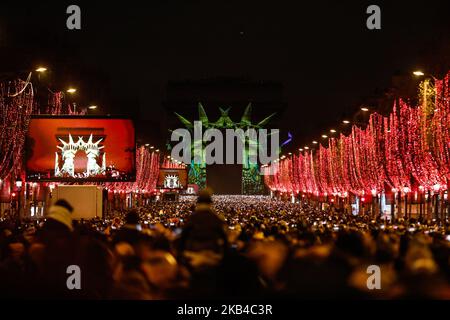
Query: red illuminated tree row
[
  {"x": 169, "y": 164},
  {"x": 147, "y": 171},
  {"x": 405, "y": 151},
  {"x": 17, "y": 104}
]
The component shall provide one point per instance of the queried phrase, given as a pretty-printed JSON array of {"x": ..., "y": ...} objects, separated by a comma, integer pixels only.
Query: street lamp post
[
  {"x": 419, "y": 73},
  {"x": 19, "y": 198},
  {"x": 71, "y": 91}
]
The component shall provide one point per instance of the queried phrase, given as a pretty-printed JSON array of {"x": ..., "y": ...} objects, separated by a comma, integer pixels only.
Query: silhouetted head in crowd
[
  {"x": 132, "y": 217},
  {"x": 205, "y": 196},
  {"x": 387, "y": 248},
  {"x": 60, "y": 213},
  {"x": 351, "y": 243},
  {"x": 63, "y": 203}
]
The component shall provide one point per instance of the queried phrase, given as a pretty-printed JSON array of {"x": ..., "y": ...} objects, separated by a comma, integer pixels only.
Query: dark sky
[{"x": 321, "y": 51}]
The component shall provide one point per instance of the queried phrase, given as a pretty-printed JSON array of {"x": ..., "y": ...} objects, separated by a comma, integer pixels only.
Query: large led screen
[
  {"x": 172, "y": 179},
  {"x": 80, "y": 149}
]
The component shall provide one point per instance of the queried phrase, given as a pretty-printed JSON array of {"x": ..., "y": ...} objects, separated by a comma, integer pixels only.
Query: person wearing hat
[
  {"x": 58, "y": 223},
  {"x": 61, "y": 213},
  {"x": 54, "y": 250},
  {"x": 204, "y": 200},
  {"x": 204, "y": 229}
]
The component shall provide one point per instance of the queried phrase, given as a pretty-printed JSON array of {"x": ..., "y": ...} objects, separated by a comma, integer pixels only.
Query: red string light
[{"x": 408, "y": 149}]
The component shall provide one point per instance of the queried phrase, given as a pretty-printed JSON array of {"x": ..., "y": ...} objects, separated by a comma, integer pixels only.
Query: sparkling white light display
[{"x": 70, "y": 149}]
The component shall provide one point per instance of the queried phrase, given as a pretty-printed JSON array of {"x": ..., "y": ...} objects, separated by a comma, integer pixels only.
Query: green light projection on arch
[{"x": 251, "y": 179}]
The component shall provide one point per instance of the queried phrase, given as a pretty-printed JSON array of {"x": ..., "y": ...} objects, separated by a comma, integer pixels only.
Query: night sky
[{"x": 321, "y": 51}]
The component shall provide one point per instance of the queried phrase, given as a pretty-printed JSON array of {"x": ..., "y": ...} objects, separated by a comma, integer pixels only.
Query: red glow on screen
[{"x": 62, "y": 148}]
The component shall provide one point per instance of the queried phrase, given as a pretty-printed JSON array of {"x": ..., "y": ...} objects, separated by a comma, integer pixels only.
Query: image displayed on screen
[
  {"x": 73, "y": 149},
  {"x": 172, "y": 179}
]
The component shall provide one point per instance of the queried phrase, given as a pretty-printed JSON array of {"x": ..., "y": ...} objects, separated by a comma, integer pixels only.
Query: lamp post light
[
  {"x": 19, "y": 184},
  {"x": 72, "y": 91},
  {"x": 91, "y": 109},
  {"x": 40, "y": 70},
  {"x": 420, "y": 73}
]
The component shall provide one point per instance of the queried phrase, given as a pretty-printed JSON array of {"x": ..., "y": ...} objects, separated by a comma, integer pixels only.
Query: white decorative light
[
  {"x": 69, "y": 150},
  {"x": 172, "y": 181}
]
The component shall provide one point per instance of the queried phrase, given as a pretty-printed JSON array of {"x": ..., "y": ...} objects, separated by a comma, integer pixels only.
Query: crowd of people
[{"x": 224, "y": 247}]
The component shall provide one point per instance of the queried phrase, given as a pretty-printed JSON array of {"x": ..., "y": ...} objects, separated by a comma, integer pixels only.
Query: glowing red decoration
[
  {"x": 407, "y": 149},
  {"x": 16, "y": 105}
]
